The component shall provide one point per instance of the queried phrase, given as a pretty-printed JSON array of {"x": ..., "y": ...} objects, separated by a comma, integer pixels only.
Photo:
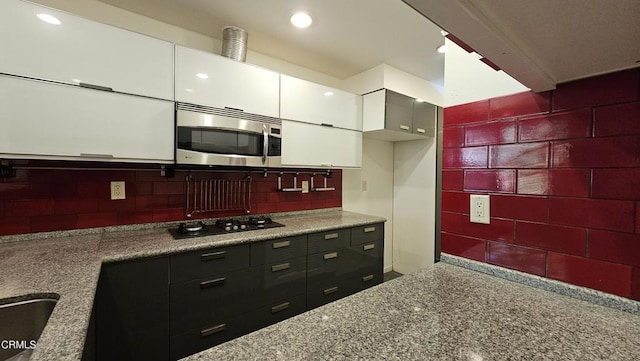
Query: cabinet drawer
[
  {"x": 366, "y": 277},
  {"x": 206, "y": 300},
  {"x": 208, "y": 335},
  {"x": 369, "y": 251},
  {"x": 323, "y": 241},
  {"x": 278, "y": 249},
  {"x": 278, "y": 310},
  {"x": 368, "y": 233},
  {"x": 319, "y": 296},
  {"x": 281, "y": 279},
  {"x": 328, "y": 267},
  {"x": 193, "y": 265}
]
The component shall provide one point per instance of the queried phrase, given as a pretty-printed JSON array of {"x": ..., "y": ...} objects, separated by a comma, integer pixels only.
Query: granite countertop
[
  {"x": 445, "y": 312},
  {"x": 66, "y": 265}
]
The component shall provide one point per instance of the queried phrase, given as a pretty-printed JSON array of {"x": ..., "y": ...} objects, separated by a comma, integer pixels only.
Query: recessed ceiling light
[
  {"x": 202, "y": 76},
  {"x": 442, "y": 49},
  {"x": 49, "y": 19},
  {"x": 301, "y": 20},
  {"x": 328, "y": 94}
]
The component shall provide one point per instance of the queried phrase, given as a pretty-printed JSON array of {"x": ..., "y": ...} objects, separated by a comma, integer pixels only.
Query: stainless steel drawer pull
[
  {"x": 212, "y": 283},
  {"x": 331, "y": 255},
  {"x": 280, "y": 307},
  {"x": 368, "y": 247},
  {"x": 280, "y": 267},
  {"x": 367, "y": 278},
  {"x": 331, "y": 290},
  {"x": 420, "y": 130},
  {"x": 211, "y": 330},
  {"x": 95, "y": 155},
  {"x": 331, "y": 236},
  {"x": 404, "y": 127},
  {"x": 369, "y": 229},
  {"x": 95, "y": 87},
  {"x": 282, "y": 244},
  {"x": 213, "y": 255}
]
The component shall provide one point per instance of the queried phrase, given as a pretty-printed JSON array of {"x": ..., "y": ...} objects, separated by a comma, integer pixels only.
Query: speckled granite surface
[
  {"x": 445, "y": 313},
  {"x": 67, "y": 265}
]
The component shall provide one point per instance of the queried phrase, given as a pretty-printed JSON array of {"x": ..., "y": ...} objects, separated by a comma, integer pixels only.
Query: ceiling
[
  {"x": 544, "y": 42},
  {"x": 346, "y": 38}
]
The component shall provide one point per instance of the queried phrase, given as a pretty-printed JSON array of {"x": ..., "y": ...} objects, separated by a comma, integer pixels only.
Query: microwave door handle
[{"x": 265, "y": 143}]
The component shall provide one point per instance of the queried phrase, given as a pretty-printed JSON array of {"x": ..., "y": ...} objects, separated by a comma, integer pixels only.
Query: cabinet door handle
[
  {"x": 231, "y": 108},
  {"x": 331, "y": 290},
  {"x": 95, "y": 87},
  {"x": 280, "y": 267},
  {"x": 368, "y": 247},
  {"x": 280, "y": 307},
  {"x": 95, "y": 155},
  {"x": 369, "y": 229},
  {"x": 331, "y": 255},
  {"x": 282, "y": 244},
  {"x": 213, "y": 255},
  {"x": 326, "y": 125},
  {"x": 212, "y": 283},
  {"x": 330, "y": 236},
  {"x": 420, "y": 130},
  {"x": 212, "y": 330},
  {"x": 404, "y": 127},
  {"x": 367, "y": 278}
]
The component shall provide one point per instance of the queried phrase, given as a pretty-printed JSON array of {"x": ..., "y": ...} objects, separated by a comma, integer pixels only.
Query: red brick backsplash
[
  {"x": 41, "y": 200},
  {"x": 563, "y": 172}
]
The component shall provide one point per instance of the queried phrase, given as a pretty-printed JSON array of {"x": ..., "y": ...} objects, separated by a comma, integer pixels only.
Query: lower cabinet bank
[{"x": 169, "y": 307}]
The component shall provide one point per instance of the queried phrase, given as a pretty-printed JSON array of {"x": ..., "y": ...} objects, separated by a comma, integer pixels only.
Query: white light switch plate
[
  {"x": 305, "y": 186},
  {"x": 480, "y": 210},
  {"x": 117, "y": 190}
]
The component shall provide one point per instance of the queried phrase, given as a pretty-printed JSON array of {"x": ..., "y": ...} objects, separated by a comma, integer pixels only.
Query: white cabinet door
[
  {"x": 310, "y": 145},
  {"x": 212, "y": 80},
  {"x": 46, "y": 120},
  {"x": 314, "y": 103},
  {"x": 80, "y": 50}
]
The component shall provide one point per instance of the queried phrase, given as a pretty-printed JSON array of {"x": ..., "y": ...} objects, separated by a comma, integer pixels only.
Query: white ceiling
[
  {"x": 544, "y": 42},
  {"x": 346, "y": 38}
]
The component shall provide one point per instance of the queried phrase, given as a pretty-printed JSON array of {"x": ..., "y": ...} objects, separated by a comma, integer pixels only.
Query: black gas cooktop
[{"x": 222, "y": 226}]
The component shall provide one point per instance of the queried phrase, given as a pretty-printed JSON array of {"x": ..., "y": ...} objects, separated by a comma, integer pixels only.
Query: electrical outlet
[
  {"x": 117, "y": 190},
  {"x": 305, "y": 186},
  {"x": 479, "y": 209}
]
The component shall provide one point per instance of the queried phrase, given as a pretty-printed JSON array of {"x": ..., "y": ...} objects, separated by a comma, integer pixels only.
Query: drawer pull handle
[
  {"x": 331, "y": 290},
  {"x": 368, "y": 247},
  {"x": 282, "y": 244},
  {"x": 212, "y": 283},
  {"x": 213, "y": 255},
  {"x": 369, "y": 229},
  {"x": 367, "y": 278},
  {"x": 331, "y": 255},
  {"x": 404, "y": 127},
  {"x": 330, "y": 236},
  {"x": 95, "y": 87},
  {"x": 280, "y": 267},
  {"x": 420, "y": 130},
  {"x": 280, "y": 307},
  {"x": 212, "y": 330}
]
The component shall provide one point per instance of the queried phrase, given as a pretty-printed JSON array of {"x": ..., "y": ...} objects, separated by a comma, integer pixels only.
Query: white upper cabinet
[
  {"x": 212, "y": 80},
  {"x": 47, "y": 120},
  {"x": 311, "y": 145},
  {"x": 74, "y": 50},
  {"x": 309, "y": 102}
]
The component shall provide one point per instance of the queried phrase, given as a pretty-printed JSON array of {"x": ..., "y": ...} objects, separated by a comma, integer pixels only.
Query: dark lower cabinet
[
  {"x": 167, "y": 308},
  {"x": 132, "y": 311}
]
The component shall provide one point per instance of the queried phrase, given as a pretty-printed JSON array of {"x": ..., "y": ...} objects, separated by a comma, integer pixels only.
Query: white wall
[
  {"x": 414, "y": 199},
  {"x": 467, "y": 79},
  {"x": 376, "y": 196}
]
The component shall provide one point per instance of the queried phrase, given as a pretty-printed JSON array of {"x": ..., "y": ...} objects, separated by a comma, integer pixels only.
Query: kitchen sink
[{"x": 21, "y": 326}]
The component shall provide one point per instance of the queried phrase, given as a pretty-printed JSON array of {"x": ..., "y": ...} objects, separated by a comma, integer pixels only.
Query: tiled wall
[
  {"x": 563, "y": 172},
  {"x": 48, "y": 200}
]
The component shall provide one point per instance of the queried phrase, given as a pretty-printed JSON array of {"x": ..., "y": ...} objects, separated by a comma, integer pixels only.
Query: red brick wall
[
  {"x": 50, "y": 200},
  {"x": 563, "y": 172}
]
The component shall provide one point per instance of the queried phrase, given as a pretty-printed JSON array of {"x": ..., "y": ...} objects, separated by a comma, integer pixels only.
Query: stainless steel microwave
[{"x": 213, "y": 136}]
